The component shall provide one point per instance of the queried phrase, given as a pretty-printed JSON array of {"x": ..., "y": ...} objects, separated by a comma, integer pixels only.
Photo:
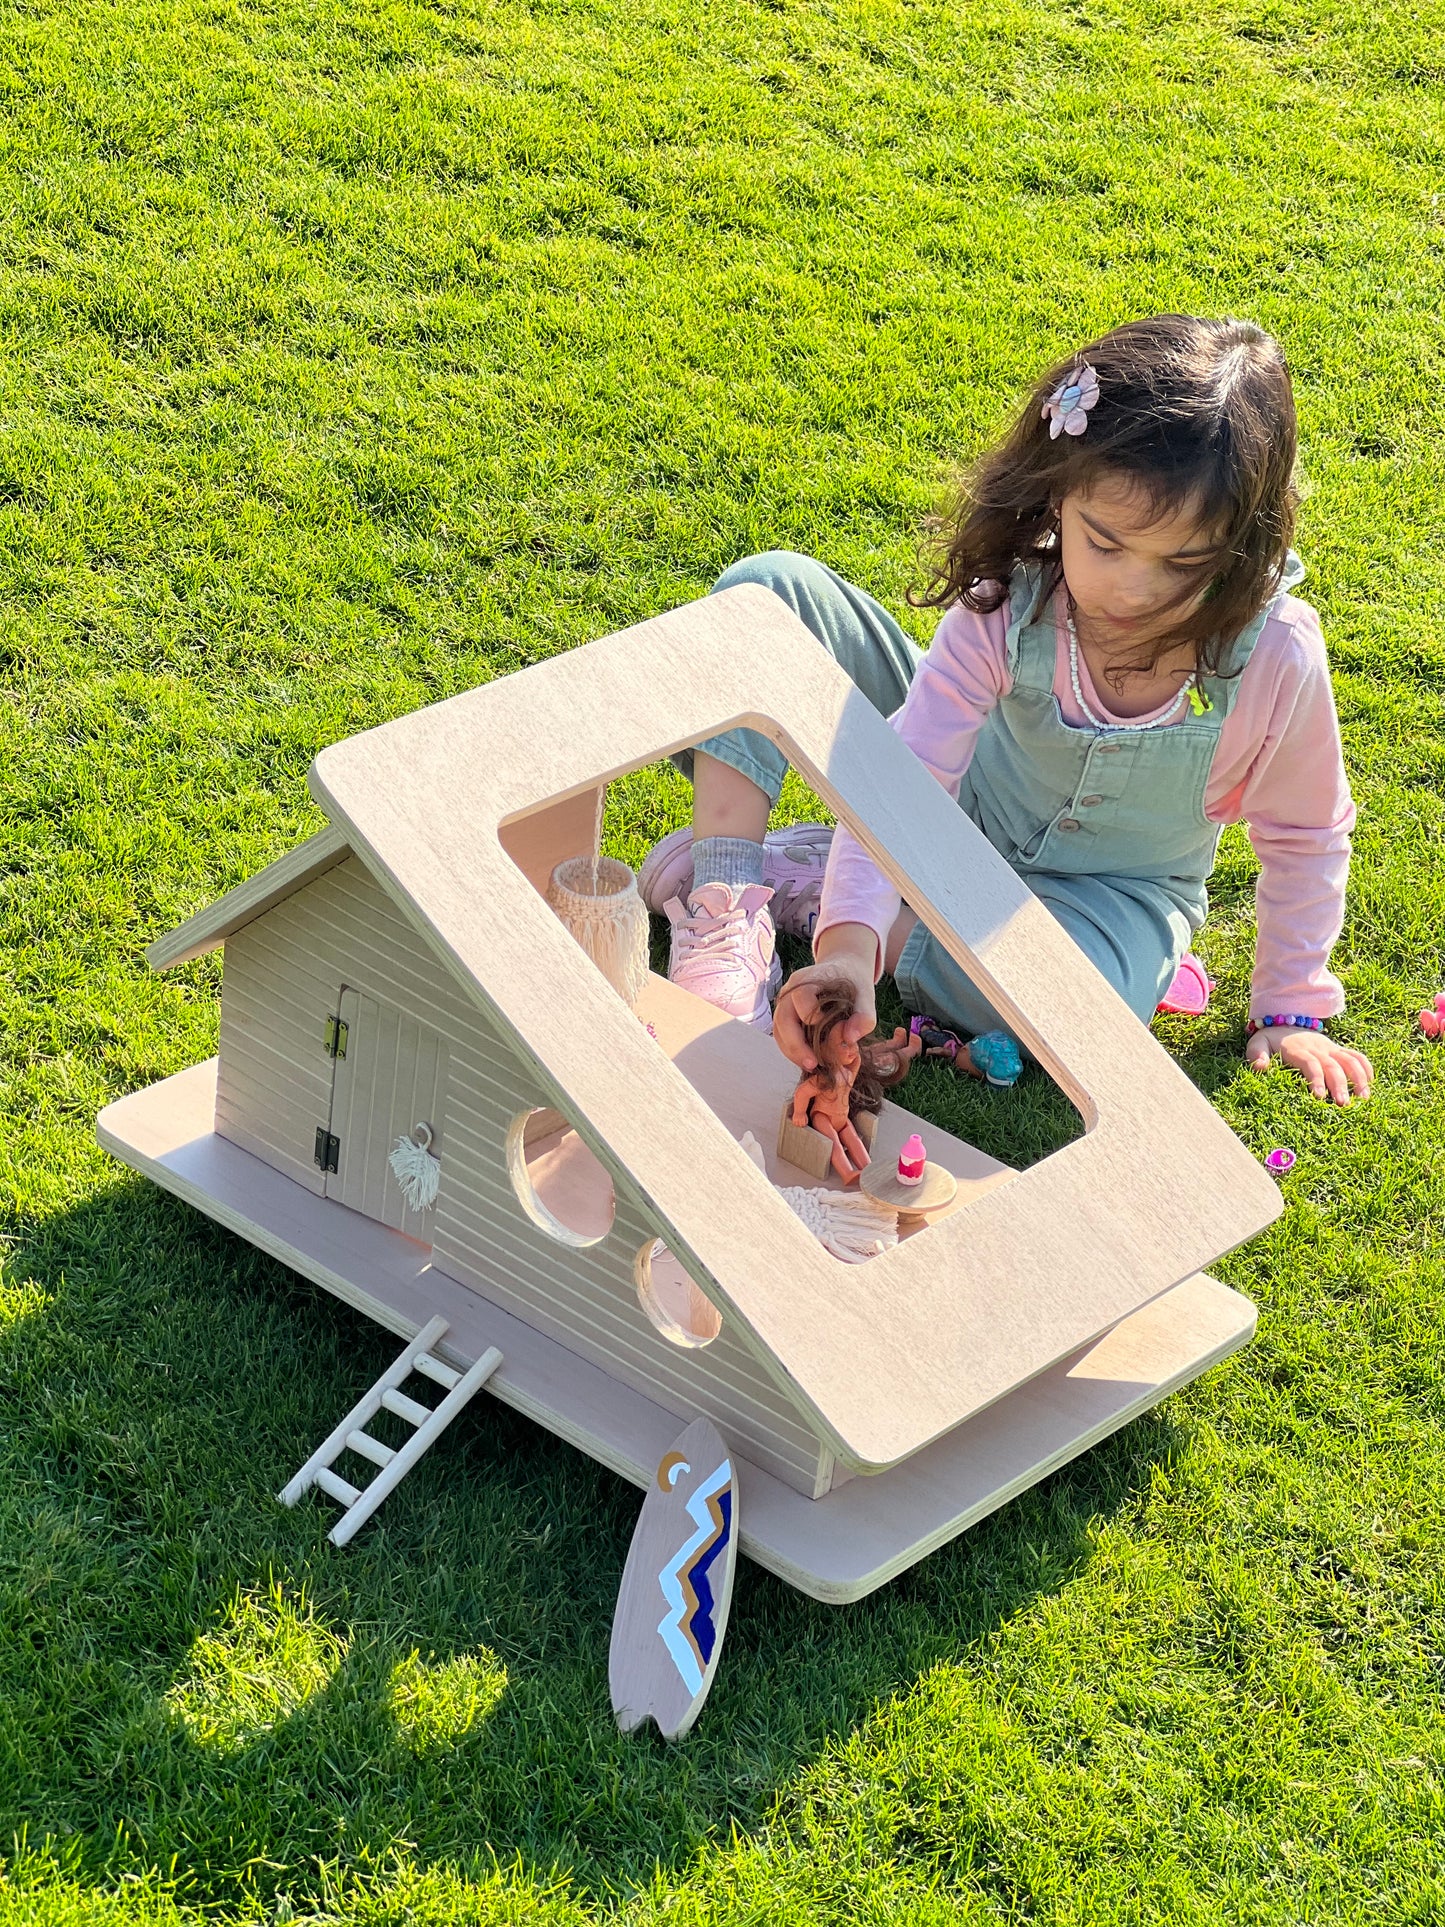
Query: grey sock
[{"x": 734, "y": 860}]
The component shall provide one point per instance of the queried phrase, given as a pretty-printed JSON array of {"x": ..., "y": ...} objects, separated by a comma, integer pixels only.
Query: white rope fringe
[{"x": 852, "y": 1226}]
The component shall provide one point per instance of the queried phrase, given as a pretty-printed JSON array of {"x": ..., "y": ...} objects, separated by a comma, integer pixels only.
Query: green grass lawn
[{"x": 354, "y": 354}]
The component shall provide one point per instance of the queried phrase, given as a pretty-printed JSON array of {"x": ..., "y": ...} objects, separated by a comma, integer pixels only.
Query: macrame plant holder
[{"x": 596, "y": 897}]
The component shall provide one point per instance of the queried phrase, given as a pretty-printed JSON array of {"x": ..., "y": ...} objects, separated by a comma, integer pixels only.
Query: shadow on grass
[
  {"x": 1208, "y": 1057},
  {"x": 195, "y": 1672}
]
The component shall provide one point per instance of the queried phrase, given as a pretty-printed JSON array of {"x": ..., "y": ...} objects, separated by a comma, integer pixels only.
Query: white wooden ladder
[{"x": 396, "y": 1462}]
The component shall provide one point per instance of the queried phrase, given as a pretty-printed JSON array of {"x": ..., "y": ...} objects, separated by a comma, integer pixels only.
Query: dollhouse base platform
[{"x": 837, "y": 1548}]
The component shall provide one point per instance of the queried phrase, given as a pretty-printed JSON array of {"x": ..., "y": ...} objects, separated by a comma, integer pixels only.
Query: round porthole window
[
  {"x": 682, "y": 1313},
  {"x": 559, "y": 1183}
]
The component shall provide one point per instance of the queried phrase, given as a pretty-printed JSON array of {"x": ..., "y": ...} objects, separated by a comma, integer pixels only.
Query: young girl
[{"x": 1120, "y": 670}]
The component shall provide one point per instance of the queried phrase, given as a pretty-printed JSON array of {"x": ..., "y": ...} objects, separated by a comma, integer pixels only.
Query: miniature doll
[
  {"x": 993, "y": 1056},
  {"x": 850, "y": 1078}
]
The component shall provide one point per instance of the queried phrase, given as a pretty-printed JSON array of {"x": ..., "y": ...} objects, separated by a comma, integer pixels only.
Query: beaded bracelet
[{"x": 1284, "y": 1023}]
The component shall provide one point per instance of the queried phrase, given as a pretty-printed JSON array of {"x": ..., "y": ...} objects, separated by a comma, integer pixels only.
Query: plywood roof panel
[{"x": 887, "y": 1355}]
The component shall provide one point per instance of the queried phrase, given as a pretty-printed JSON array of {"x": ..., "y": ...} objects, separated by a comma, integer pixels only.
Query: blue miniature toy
[{"x": 993, "y": 1056}]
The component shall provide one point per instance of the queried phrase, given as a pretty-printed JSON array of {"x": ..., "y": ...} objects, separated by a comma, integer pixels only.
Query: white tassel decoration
[
  {"x": 415, "y": 1169},
  {"x": 852, "y": 1226}
]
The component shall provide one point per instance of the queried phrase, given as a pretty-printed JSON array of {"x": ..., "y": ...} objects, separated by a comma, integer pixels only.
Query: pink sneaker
[
  {"x": 722, "y": 950},
  {"x": 1188, "y": 994},
  {"x": 793, "y": 864}
]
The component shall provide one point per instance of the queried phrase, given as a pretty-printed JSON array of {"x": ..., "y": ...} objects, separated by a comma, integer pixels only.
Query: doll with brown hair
[{"x": 849, "y": 1079}]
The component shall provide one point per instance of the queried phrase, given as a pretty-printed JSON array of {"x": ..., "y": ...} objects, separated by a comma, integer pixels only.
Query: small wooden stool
[
  {"x": 800, "y": 1144},
  {"x": 937, "y": 1188}
]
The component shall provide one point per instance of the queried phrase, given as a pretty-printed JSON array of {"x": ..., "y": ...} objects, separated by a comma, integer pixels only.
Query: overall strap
[
  {"x": 1222, "y": 690},
  {"x": 1032, "y": 642}
]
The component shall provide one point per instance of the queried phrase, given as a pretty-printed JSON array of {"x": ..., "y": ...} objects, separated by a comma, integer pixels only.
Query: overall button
[
  {"x": 1068, "y": 823},
  {"x": 1088, "y": 802}
]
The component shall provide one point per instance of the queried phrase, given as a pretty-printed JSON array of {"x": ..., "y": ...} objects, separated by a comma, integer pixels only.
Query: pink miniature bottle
[{"x": 911, "y": 1160}]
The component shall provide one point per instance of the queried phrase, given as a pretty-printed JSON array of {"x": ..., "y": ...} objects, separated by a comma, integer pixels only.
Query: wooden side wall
[{"x": 283, "y": 974}]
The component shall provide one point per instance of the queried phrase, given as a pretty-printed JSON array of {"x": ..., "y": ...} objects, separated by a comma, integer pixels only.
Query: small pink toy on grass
[
  {"x": 1188, "y": 993},
  {"x": 1432, "y": 1022},
  {"x": 1281, "y": 1160}
]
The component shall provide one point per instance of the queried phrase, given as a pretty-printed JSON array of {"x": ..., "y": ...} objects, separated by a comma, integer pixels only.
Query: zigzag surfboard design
[
  {"x": 688, "y": 1629},
  {"x": 683, "y": 1557}
]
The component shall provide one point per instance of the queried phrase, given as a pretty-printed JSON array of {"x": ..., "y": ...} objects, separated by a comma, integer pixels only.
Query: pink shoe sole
[
  {"x": 760, "y": 1016},
  {"x": 1188, "y": 995},
  {"x": 667, "y": 870}
]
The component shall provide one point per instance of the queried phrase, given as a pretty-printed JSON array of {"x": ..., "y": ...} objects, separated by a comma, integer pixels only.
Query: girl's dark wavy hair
[{"x": 1198, "y": 416}]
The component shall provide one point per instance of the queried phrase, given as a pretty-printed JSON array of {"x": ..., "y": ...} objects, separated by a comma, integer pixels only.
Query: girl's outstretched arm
[{"x": 1281, "y": 767}]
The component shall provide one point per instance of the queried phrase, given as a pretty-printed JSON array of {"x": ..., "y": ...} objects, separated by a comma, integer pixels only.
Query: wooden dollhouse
[{"x": 597, "y": 1223}]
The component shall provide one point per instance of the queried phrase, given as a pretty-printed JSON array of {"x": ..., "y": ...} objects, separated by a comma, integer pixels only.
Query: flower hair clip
[{"x": 1067, "y": 409}]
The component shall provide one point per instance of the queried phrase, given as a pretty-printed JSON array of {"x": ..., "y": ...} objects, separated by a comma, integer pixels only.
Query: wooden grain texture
[
  {"x": 836, "y": 1548},
  {"x": 677, "y": 1586},
  {"x": 251, "y": 899},
  {"x": 1008, "y": 1283},
  {"x": 936, "y": 1188},
  {"x": 291, "y": 968},
  {"x": 392, "y": 1077},
  {"x": 542, "y": 839},
  {"x": 274, "y": 1084}
]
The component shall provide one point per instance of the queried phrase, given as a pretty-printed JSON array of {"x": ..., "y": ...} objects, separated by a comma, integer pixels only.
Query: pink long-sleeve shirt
[{"x": 1278, "y": 767}]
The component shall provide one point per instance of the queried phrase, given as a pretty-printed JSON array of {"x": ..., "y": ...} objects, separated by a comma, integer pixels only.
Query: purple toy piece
[{"x": 1281, "y": 1159}]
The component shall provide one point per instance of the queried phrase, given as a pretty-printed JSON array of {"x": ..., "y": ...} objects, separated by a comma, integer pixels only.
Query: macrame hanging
[
  {"x": 596, "y": 897},
  {"x": 415, "y": 1168},
  {"x": 852, "y": 1226}
]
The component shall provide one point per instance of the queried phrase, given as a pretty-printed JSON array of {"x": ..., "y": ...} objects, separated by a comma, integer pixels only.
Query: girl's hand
[
  {"x": 797, "y": 1005},
  {"x": 1327, "y": 1067}
]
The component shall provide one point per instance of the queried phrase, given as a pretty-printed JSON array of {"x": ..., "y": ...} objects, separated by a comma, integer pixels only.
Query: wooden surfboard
[{"x": 672, "y": 1609}]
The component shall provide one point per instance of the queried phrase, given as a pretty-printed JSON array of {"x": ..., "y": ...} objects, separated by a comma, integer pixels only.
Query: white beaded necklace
[{"x": 1100, "y": 722}]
